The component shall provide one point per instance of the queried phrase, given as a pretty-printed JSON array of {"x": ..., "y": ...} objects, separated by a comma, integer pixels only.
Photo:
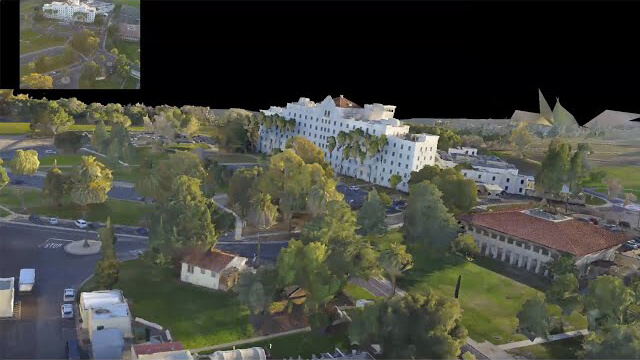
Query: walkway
[
  {"x": 523, "y": 343},
  {"x": 219, "y": 200}
]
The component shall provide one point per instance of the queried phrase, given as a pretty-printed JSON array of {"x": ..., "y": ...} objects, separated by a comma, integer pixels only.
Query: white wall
[
  {"x": 198, "y": 278},
  {"x": 511, "y": 183},
  {"x": 123, "y": 323}
]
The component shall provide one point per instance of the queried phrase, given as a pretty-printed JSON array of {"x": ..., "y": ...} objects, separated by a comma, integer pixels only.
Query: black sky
[{"x": 458, "y": 59}]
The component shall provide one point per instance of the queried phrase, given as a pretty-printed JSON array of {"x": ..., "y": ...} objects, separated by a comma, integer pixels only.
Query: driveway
[{"x": 40, "y": 332}]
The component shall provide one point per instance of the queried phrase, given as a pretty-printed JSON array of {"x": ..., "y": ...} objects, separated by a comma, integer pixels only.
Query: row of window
[
  {"x": 502, "y": 238},
  {"x": 191, "y": 269}
]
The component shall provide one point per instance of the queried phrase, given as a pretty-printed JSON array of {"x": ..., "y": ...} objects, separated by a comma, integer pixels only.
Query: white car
[
  {"x": 69, "y": 295},
  {"x": 81, "y": 224},
  {"x": 50, "y": 151},
  {"x": 66, "y": 310},
  {"x": 354, "y": 188},
  {"x": 53, "y": 221}
]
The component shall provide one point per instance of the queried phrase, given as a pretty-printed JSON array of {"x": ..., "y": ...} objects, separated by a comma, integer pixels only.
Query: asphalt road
[
  {"x": 41, "y": 333},
  {"x": 52, "y": 51}
]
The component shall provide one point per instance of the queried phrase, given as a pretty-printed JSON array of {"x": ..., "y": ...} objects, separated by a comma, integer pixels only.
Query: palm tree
[
  {"x": 395, "y": 260},
  {"x": 342, "y": 139},
  {"x": 346, "y": 153},
  {"x": 372, "y": 151},
  {"x": 331, "y": 145}
]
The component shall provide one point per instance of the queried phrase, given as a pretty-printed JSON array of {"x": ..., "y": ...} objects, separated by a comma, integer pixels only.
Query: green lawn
[
  {"x": 14, "y": 128},
  {"x": 132, "y": 3},
  {"x": 56, "y": 62},
  {"x": 4, "y": 213},
  {"x": 302, "y": 344},
  {"x": 355, "y": 292},
  {"x": 189, "y": 146},
  {"x": 62, "y": 159},
  {"x": 592, "y": 200},
  {"x": 628, "y": 175},
  {"x": 128, "y": 174},
  {"x": 31, "y": 41},
  {"x": 561, "y": 349},
  {"x": 490, "y": 301},
  {"x": 195, "y": 316},
  {"x": 121, "y": 212}
]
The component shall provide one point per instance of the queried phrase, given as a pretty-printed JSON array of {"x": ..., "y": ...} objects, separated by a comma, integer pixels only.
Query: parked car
[
  {"x": 69, "y": 295},
  {"x": 142, "y": 231},
  {"x": 392, "y": 210},
  {"x": 53, "y": 221},
  {"x": 66, "y": 310},
  {"x": 81, "y": 224},
  {"x": 354, "y": 188},
  {"x": 594, "y": 221},
  {"x": 34, "y": 218},
  {"x": 49, "y": 151}
]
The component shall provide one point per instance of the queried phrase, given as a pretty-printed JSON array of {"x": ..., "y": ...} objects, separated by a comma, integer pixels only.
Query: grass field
[
  {"x": 111, "y": 82},
  {"x": 355, "y": 292},
  {"x": 62, "y": 159},
  {"x": 56, "y": 62},
  {"x": 303, "y": 344},
  {"x": 490, "y": 300},
  {"x": 14, "y": 128},
  {"x": 561, "y": 349},
  {"x": 4, "y": 213},
  {"x": 121, "y": 212},
  {"x": 132, "y": 3},
  {"x": 189, "y": 146},
  {"x": 196, "y": 316},
  {"x": 628, "y": 175},
  {"x": 31, "y": 41}
]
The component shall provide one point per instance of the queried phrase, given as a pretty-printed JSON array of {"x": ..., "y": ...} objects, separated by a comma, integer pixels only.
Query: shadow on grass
[
  {"x": 532, "y": 280},
  {"x": 428, "y": 261}
]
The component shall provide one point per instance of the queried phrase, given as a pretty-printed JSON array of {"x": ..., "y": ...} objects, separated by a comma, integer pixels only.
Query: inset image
[{"x": 80, "y": 44}]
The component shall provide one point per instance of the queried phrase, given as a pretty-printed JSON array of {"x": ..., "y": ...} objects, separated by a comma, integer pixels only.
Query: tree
[
  {"x": 107, "y": 273},
  {"x": 24, "y": 162},
  {"x": 372, "y": 214},
  {"x": 99, "y": 138},
  {"x": 168, "y": 170},
  {"x": 534, "y": 319},
  {"x": 262, "y": 214},
  {"x": 257, "y": 290},
  {"x": 92, "y": 71},
  {"x": 417, "y": 326},
  {"x": 606, "y": 301},
  {"x": 337, "y": 224},
  {"x": 426, "y": 219},
  {"x": 579, "y": 168},
  {"x": 465, "y": 245},
  {"x": 91, "y": 181},
  {"x": 447, "y": 139},
  {"x": 217, "y": 177},
  {"x": 629, "y": 198},
  {"x": 240, "y": 186},
  {"x": 308, "y": 152},
  {"x": 564, "y": 292},
  {"x": 331, "y": 145},
  {"x": 49, "y": 118},
  {"x": 54, "y": 185},
  {"x": 619, "y": 342},
  {"x": 395, "y": 180},
  {"x": 183, "y": 220},
  {"x": 614, "y": 187},
  {"x": 37, "y": 81},
  {"x": 553, "y": 173},
  {"x": 84, "y": 41},
  {"x": 521, "y": 138},
  {"x": 459, "y": 195},
  {"x": 4, "y": 178},
  {"x": 395, "y": 260},
  {"x": 561, "y": 265}
]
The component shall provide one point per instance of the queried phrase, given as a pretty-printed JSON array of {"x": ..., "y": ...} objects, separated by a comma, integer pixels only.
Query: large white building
[
  {"x": 317, "y": 122},
  {"x": 69, "y": 10},
  {"x": 107, "y": 309},
  {"x": 487, "y": 169}
]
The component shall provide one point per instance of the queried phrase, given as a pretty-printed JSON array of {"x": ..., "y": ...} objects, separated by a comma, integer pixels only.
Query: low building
[
  {"x": 129, "y": 32},
  {"x": 105, "y": 310},
  {"x": 488, "y": 169},
  {"x": 107, "y": 344},
  {"x": 254, "y": 353},
  {"x": 160, "y": 351},
  {"x": 530, "y": 238},
  {"x": 490, "y": 191},
  {"x": 213, "y": 269},
  {"x": 7, "y": 292}
]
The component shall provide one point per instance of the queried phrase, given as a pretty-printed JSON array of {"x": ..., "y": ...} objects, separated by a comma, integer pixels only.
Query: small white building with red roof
[{"x": 213, "y": 269}]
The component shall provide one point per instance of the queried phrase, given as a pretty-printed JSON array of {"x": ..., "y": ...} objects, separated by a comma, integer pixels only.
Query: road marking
[{"x": 53, "y": 243}]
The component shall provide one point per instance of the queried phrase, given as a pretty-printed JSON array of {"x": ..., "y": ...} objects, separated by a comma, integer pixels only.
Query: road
[
  {"x": 32, "y": 56},
  {"x": 40, "y": 333}
]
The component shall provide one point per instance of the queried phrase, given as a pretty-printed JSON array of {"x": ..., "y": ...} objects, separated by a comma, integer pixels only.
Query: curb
[
  {"x": 67, "y": 229},
  {"x": 66, "y": 248}
]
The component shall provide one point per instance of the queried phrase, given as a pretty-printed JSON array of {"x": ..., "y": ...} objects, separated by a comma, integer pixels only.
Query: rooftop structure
[
  {"x": 97, "y": 299},
  {"x": 107, "y": 344},
  {"x": 318, "y": 122},
  {"x": 254, "y": 353},
  {"x": 160, "y": 351},
  {"x": 105, "y": 310},
  {"x": 214, "y": 269}
]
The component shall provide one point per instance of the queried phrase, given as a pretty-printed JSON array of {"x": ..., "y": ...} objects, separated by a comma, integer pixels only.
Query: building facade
[
  {"x": 528, "y": 239},
  {"x": 213, "y": 269},
  {"x": 107, "y": 309},
  {"x": 487, "y": 169},
  {"x": 318, "y": 122},
  {"x": 71, "y": 10}
]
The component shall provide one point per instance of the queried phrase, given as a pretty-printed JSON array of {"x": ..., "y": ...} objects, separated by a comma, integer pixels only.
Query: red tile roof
[
  {"x": 147, "y": 349},
  {"x": 570, "y": 236},
  {"x": 214, "y": 260},
  {"x": 343, "y": 102}
]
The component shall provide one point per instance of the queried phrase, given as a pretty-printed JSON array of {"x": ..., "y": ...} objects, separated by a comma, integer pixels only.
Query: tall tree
[
  {"x": 91, "y": 181},
  {"x": 395, "y": 260},
  {"x": 372, "y": 214},
  {"x": 466, "y": 245},
  {"x": 563, "y": 264},
  {"x": 606, "y": 302},
  {"x": 553, "y": 173},
  {"x": 107, "y": 269},
  {"x": 416, "y": 326},
  {"x": 262, "y": 214},
  {"x": 54, "y": 185},
  {"x": 240, "y": 188},
  {"x": 564, "y": 292},
  {"x": 426, "y": 219},
  {"x": 619, "y": 342},
  {"x": 521, "y": 138},
  {"x": 257, "y": 290},
  {"x": 148, "y": 183},
  {"x": 180, "y": 163},
  {"x": 4, "y": 178},
  {"x": 308, "y": 152},
  {"x": 534, "y": 319},
  {"x": 24, "y": 162}
]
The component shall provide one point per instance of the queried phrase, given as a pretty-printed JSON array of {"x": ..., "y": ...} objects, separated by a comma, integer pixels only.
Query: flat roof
[
  {"x": 6, "y": 283},
  {"x": 110, "y": 310},
  {"x": 97, "y": 299}
]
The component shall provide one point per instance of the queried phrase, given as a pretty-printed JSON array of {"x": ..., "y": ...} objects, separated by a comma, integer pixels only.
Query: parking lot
[
  {"x": 356, "y": 197},
  {"x": 40, "y": 332}
]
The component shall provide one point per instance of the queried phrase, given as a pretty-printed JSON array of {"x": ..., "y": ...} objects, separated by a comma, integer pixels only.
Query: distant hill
[{"x": 611, "y": 118}]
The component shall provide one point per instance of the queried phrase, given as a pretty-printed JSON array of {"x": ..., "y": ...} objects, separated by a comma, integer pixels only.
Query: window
[
  {"x": 520, "y": 191},
  {"x": 545, "y": 251},
  {"x": 190, "y": 268},
  {"x": 385, "y": 152},
  {"x": 409, "y": 148},
  {"x": 494, "y": 236},
  {"x": 479, "y": 176},
  {"x": 527, "y": 246},
  {"x": 391, "y": 162},
  {"x": 401, "y": 147},
  {"x": 394, "y": 145},
  {"x": 202, "y": 271},
  {"x": 478, "y": 231},
  {"x": 506, "y": 188},
  {"x": 406, "y": 166},
  {"x": 494, "y": 178},
  {"x": 522, "y": 181},
  {"x": 508, "y": 179},
  {"x": 100, "y": 327},
  {"x": 501, "y": 237},
  {"x": 431, "y": 148},
  {"x": 334, "y": 123}
]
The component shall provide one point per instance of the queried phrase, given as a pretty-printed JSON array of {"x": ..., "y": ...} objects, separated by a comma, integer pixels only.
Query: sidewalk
[{"x": 523, "y": 343}]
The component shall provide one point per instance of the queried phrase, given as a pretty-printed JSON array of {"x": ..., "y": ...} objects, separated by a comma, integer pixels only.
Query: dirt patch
[
  {"x": 9, "y": 142},
  {"x": 280, "y": 321}
]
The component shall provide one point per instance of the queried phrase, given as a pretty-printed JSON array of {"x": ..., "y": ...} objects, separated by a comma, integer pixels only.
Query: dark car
[
  {"x": 34, "y": 218},
  {"x": 73, "y": 350},
  {"x": 142, "y": 231},
  {"x": 594, "y": 221},
  {"x": 17, "y": 182},
  {"x": 392, "y": 210},
  {"x": 95, "y": 226}
]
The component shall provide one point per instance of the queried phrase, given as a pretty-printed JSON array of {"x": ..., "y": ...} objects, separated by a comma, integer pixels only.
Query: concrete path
[
  {"x": 221, "y": 200},
  {"x": 248, "y": 341},
  {"x": 490, "y": 350},
  {"x": 523, "y": 343}
]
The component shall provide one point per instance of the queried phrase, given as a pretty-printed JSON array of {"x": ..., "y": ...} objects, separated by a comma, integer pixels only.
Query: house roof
[
  {"x": 214, "y": 260},
  {"x": 571, "y": 236},
  {"x": 151, "y": 348},
  {"x": 97, "y": 299},
  {"x": 343, "y": 102}
]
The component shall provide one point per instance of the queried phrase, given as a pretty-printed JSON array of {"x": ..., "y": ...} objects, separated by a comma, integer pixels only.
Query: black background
[{"x": 431, "y": 59}]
